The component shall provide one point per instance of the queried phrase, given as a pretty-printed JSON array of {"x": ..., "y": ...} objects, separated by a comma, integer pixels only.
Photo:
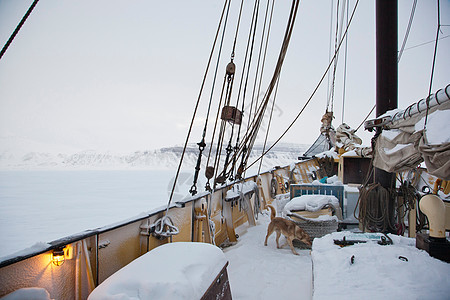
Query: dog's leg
[
  {"x": 292, "y": 246},
  {"x": 269, "y": 232},
  {"x": 278, "y": 238}
]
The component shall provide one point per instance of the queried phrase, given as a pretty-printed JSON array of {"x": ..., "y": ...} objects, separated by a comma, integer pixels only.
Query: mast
[{"x": 386, "y": 77}]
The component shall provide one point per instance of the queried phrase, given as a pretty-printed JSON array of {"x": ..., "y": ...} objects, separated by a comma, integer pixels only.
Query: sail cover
[{"x": 407, "y": 141}]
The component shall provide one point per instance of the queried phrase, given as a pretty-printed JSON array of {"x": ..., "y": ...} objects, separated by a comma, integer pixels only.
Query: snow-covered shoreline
[{"x": 158, "y": 159}]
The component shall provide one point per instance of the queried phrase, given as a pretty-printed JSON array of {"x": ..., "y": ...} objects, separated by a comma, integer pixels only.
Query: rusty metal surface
[{"x": 220, "y": 287}]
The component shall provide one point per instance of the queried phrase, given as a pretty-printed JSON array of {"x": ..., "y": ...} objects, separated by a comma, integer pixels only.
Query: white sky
[{"x": 125, "y": 75}]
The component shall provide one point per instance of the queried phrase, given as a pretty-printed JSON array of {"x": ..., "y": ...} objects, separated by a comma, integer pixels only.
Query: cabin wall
[{"x": 92, "y": 257}]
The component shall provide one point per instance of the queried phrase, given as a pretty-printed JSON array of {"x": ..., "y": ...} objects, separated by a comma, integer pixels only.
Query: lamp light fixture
[{"x": 58, "y": 256}]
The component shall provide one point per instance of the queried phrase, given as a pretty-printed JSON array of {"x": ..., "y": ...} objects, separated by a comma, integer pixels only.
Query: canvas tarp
[{"x": 408, "y": 142}]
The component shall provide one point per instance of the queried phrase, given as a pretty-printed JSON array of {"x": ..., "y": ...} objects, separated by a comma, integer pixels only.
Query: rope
[
  {"x": 313, "y": 93},
  {"x": 329, "y": 49},
  {"x": 254, "y": 20},
  {"x": 366, "y": 117},
  {"x": 336, "y": 39},
  {"x": 426, "y": 43},
  {"x": 259, "y": 70},
  {"x": 268, "y": 127},
  {"x": 230, "y": 81},
  {"x": 267, "y": 43},
  {"x": 373, "y": 204},
  {"x": 411, "y": 17},
  {"x": 434, "y": 59},
  {"x": 250, "y": 137},
  {"x": 237, "y": 30},
  {"x": 13, "y": 35},
  {"x": 194, "y": 114},
  {"x": 251, "y": 37},
  {"x": 345, "y": 71},
  {"x": 221, "y": 95}
]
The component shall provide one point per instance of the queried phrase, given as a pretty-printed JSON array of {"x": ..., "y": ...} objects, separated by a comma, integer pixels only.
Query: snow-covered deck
[
  {"x": 259, "y": 272},
  {"x": 398, "y": 271}
]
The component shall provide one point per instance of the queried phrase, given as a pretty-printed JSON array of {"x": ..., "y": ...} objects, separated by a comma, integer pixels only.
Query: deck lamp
[{"x": 58, "y": 256}]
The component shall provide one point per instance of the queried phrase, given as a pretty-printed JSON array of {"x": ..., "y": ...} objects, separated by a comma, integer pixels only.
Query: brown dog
[{"x": 288, "y": 228}]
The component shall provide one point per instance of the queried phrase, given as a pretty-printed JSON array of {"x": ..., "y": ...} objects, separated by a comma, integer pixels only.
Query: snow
[
  {"x": 391, "y": 134},
  {"x": 241, "y": 188},
  {"x": 33, "y": 293},
  {"x": 436, "y": 122},
  {"x": 330, "y": 153},
  {"x": 310, "y": 203},
  {"x": 378, "y": 272},
  {"x": 397, "y": 147},
  {"x": 258, "y": 272},
  {"x": 171, "y": 271},
  {"x": 334, "y": 180},
  {"x": 263, "y": 272},
  {"x": 350, "y": 153}
]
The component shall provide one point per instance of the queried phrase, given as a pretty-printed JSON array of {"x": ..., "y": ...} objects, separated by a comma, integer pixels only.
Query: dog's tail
[{"x": 272, "y": 211}]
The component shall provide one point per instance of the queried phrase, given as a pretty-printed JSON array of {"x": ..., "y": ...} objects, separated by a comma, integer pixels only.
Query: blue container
[{"x": 298, "y": 190}]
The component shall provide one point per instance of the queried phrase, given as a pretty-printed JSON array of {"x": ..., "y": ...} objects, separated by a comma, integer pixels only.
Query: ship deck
[{"x": 259, "y": 272}]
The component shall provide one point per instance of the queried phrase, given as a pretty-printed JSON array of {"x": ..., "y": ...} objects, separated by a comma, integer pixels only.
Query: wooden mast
[{"x": 386, "y": 77}]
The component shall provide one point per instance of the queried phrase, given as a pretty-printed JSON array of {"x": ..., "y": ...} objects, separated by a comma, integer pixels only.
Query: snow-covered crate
[{"x": 297, "y": 190}]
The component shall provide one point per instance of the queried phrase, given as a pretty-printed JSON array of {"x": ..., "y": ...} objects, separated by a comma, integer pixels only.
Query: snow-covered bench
[{"x": 171, "y": 271}]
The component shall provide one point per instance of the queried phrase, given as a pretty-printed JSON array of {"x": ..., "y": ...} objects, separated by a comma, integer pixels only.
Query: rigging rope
[
  {"x": 230, "y": 80},
  {"x": 331, "y": 98},
  {"x": 411, "y": 17},
  {"x": 429, "y": 42},
  {"x": 373, "y": 108},
  {"x": 313, "y": 93},
  {"x": 202, "y": 144},
  {"x": 259, "y": 70},
  {"x": 408, "y": 29},
  {"x": 268, "y": 126},
  {"x": 345, "y": 70},
  {"x": 329, "y": 48},
  {"x": 195, "y": 111},
  {"x": 13, "y": 35},
  {"x": 250, "y": 137},
  {"x": 251, "y": 38},
  {"x": 434, "y": 60}
]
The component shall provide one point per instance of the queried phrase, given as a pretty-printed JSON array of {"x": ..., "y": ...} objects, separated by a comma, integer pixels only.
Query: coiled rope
[{"x": 373, "y": 204}]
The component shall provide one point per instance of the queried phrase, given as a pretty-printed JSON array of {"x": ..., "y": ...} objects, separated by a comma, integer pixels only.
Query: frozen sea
[{"x": 42, "y": 206}]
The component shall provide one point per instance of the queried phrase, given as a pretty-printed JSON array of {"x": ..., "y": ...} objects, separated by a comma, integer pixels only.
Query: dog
[{"x": 288, "y": 228}]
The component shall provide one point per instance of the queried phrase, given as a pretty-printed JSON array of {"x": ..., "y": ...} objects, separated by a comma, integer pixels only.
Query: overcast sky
[{"x": 125, "y": 75}]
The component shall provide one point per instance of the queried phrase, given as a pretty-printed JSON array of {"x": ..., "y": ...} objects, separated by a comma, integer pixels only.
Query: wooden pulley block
[
  {"x": 220, "y": 179},
  {"x": 231, "y": 114},
  {"x": 209, "y": 172},
  {"x": 231, "y": 68}
]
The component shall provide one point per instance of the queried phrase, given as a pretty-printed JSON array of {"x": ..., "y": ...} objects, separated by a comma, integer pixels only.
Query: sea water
[{"x": 42, "y": 206}]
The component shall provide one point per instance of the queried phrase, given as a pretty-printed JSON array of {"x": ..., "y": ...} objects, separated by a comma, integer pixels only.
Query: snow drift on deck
[{"x": 397, "y": 271}]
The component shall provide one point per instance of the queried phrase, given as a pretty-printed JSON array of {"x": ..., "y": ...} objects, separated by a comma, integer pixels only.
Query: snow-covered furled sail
[{"x": 414, "y": 135}]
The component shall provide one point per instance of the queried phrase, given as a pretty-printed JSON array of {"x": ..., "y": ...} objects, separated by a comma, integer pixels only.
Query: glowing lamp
[{"x": 58, "y": 256}]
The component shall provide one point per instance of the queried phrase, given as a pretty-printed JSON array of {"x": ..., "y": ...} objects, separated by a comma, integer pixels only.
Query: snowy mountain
[{"x": 164, "y": 158}]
